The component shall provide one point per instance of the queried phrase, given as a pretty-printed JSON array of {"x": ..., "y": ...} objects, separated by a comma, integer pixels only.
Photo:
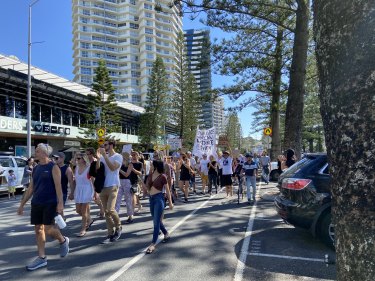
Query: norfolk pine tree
[
  {"x": 345, "y": 50},
  {"x": 102, "y": 107},
  {"x": 157, "y": 105}
]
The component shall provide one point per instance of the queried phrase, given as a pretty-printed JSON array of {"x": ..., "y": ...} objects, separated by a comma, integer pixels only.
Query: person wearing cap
[
  {"x": 250, "y": 170},
  {"x": 203, "y": 168},
  {"x": 66, "y": 173},
  {"x": 226, "y": 178}
]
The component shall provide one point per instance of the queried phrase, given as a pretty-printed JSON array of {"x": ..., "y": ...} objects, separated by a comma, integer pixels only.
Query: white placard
[
  {"x": 174, "y": 143},
  {"x": 205, "y": 142},
  {"x": 127, "y": 148}
]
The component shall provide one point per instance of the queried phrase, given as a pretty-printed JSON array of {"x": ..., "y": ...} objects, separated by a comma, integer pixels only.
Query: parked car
[
  {"x": 305, "y": 197},
  {"x": 15, "y": 163}
]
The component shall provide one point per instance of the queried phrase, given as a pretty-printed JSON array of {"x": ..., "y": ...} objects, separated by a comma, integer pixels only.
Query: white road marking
[
  {"x": 265, "y": 219},
  {"x": 245, "y": 245},
  {"x": 138, "y": 257},
  {"x": 284, "y": 257}
]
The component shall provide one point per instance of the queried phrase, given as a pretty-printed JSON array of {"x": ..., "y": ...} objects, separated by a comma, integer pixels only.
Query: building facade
[
  {"x": 58, "y": 108},
  {"x": 128, "y": 35},
  {"x": 219, "y": 116},
  {"x": 199, "y": 55}
]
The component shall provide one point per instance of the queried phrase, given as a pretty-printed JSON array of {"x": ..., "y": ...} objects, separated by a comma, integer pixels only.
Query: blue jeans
[
  {"x": 251, "y": 181},
  {"x": 157, "y": 209},
  {"x": 212, "y": 180}
]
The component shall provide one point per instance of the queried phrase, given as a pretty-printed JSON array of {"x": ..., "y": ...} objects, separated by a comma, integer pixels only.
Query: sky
[{"x": 52, "y": 25}]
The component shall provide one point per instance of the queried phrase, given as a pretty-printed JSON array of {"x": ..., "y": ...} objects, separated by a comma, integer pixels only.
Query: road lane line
[
  {"x": 284, "y": 257},
  {"x": 138, "y": 257},
  {"x": 241, "y": 263}
]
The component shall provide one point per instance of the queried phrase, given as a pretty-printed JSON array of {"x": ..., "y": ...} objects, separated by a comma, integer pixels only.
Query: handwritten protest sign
[
  {"x": 174, "y": 143},
  {"x": 205, "y": 142},
  {"x": 127, "y": 148}
]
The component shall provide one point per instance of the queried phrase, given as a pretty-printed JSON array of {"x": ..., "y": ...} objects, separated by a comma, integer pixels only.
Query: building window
[
  {"x": 35, "y": 112},
  {"x": 45, "y": 114},
  {"x": 149, "y": 31},
  {"x": 65, "y": 117},
  {"x": 86, "y": 70},
  {"x": 149, "y": 47},
  {"x": 134, "y": 25},
  {"x": 20, "y": 109},
  {"x": 136, "y": 98}
]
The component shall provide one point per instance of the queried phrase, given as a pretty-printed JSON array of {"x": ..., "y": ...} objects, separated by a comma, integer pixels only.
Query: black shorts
[
  {"x": 43, "y": 214},
  {"x": 226, "y": 180}
]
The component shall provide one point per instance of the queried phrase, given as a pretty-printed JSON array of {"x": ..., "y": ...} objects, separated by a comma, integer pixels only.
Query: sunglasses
[
  {"x": 56, "y": 158},
  {"x": 79, "y": 158}
]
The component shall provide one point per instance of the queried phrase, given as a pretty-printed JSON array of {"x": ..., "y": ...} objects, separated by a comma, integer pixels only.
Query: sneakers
[
  {"x": 116, "y": 235},
  {"x": 37, "y": 263},
  {"x": 64, "y": 247},
  {"x": 107, "y": 239}
]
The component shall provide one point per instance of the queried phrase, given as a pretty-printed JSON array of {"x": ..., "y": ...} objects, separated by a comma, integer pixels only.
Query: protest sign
[
  {"x": 174, "y": 143},
  {"x": 205, "y": 142},
  {"x": 127, "y": 148}
]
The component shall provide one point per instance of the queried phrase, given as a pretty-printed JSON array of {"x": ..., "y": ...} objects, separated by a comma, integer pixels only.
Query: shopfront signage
[{"x": 11, "y": 124}]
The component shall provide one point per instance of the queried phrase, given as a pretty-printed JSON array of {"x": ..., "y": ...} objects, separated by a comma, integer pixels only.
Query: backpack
[{"x": 99, "y": 179}]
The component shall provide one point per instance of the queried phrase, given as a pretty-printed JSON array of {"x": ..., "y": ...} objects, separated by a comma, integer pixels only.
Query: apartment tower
[
  {"x": 128, "y": 35},
  {"x": 198, "y": 52}
]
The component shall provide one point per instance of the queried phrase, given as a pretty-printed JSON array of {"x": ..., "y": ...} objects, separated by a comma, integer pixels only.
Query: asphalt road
[{"x": 212, "y": 239}]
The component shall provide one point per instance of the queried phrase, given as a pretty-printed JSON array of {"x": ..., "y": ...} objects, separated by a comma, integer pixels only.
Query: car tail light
[{"x": 295, "y": 184}]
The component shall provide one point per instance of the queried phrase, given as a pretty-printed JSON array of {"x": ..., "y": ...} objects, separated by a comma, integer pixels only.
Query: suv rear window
[{"x": 298, "y": 165}]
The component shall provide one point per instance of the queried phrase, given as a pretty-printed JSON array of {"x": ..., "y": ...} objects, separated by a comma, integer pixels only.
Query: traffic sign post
[
  {"x": 267, "y": 131},
  {"x": 100, "y": 132}
]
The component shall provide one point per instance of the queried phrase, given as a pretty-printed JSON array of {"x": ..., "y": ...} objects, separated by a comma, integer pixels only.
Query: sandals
[
  {"x": 89, "y": 225},
  {"x": 166, "y": 239},
  {"x": 81, "y": 234},
  {"x": 150, "y": 250}
]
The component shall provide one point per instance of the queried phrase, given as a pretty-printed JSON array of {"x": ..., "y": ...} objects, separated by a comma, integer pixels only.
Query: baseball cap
[
  {"x": 225, "y": 152},
  {"x": 59, "y": 154},
  {"x": 248, "y": 155}
]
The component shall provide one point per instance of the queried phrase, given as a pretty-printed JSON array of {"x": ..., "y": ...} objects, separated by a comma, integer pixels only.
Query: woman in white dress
[{"x": 83, "y": 191}]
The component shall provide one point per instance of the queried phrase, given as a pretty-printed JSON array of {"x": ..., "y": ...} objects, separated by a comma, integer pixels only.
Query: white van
[{"x": 15, "y": 163}]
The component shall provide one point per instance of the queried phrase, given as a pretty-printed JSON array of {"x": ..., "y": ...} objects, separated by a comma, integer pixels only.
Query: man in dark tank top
[{"x": 47, "y": 201}]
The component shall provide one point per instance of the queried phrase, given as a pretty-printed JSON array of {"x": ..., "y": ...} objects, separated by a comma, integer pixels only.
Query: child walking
[{"x": 12, "y": 181}]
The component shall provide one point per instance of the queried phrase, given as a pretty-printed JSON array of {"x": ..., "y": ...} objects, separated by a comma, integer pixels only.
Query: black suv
[{"x": 305, "y": 196}]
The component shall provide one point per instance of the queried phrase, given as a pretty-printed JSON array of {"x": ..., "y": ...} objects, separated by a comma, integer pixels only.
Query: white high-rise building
[
  {"x": 219, "y": 115},
  {"x": 128, "y": 35}
]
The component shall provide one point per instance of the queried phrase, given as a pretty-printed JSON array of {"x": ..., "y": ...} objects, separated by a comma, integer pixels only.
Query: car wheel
[
  {"x": 274, "y": 175},
  {"x": 326, "y": 230}
]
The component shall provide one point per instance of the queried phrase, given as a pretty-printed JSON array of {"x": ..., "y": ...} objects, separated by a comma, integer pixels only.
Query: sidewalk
[{"x": 269, "y": 191}]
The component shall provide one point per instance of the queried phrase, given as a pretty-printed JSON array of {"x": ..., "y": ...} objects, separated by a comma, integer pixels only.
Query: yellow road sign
[
  {"x": 267, "y": 131},
  {"x": 100, "y": 132},
  {"x": 101, "y": 141}
]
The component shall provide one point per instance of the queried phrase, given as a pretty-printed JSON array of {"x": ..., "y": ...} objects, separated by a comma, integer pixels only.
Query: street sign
[
  {"x": 100, "y": 132},
  {"x": 267, "y": 131},
  {"x": 101, "y": 141}
]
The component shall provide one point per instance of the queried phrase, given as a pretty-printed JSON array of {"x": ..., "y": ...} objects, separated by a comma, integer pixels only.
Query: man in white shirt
[
  {"x": 203, "y": 168},
  {"x": 112, "y": 162},
  {"x": 226, "y": 179}
]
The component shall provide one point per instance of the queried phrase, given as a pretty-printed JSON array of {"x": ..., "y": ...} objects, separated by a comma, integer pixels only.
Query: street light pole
[{"x": 29, "y": 84}]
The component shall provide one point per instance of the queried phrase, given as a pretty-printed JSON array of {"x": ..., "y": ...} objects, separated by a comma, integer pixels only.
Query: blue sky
[{"x": 52, "y": 23}]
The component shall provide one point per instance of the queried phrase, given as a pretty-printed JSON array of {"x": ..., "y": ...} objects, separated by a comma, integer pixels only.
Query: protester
[
  {"x": 290, "y": 159},
  {"x": 157, "y": 182},
  {"x": 66, "y": 174},
  {"x": 112, "y": 162},
  {"x": 45, "y": 188},
  {"x": 219, "y": 168},
  {"x": 97, "y": 178},
  {"x": 203, "y": 168},
  {"x": 135, "y": 176},
  {"x": 12, "y": 182},
  {"x": 250, "y": 169},
  {"x": 27, "y": 171},
  {"x": 125, "y": 188},
  {"x": 265, "y": 163},
  {"x": 192, "y": 163},
  {"x": 212, "y": 174},
  {"x": 226, "y": 179},
  {"x": 83, "y": 190},
  {"x": 184, "y": 168}
]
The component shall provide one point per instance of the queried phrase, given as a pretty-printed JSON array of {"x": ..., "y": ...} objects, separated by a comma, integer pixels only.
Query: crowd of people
[{"x": 108, "y": 178}]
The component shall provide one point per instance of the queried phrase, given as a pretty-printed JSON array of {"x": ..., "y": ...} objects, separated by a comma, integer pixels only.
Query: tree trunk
[
  {"x": 296, "y": 91},
  {"x": 275, "y": 103},
  {"x": 345, "y": 47}
]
